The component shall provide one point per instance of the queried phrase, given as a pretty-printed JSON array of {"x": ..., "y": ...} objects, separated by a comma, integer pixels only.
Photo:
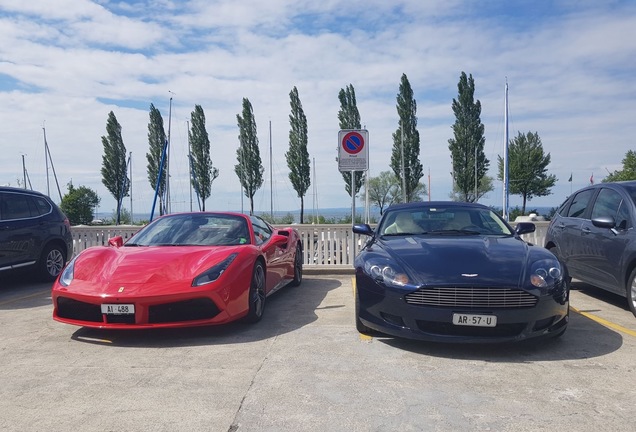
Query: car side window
[
  {"x": 16, "y": 206},
  {"x": 262, "y": 231},
  {"x": 579, "y": 203},
  {"x": 2, "y": 206},
  {"x": 563, "y": 208},
  {"x": 43, "y": 207},
  {"x": 623, "y": 220},
  {"x": 607, "y": 203}
]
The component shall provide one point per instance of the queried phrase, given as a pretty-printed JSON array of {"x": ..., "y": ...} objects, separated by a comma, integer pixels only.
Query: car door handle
[{"x": 586, "y": 231}]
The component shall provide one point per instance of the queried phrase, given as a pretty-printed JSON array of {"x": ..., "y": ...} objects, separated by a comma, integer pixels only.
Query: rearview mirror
[{"x": 116, "y": 241}]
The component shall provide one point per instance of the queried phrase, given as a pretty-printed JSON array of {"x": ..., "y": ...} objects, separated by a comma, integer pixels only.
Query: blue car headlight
[
  {"x": 67, "y": 275},
  {"x": 385, "y": 271},
  {"x": 545, "y": 273},
  {"x": 214, "y": 272}
]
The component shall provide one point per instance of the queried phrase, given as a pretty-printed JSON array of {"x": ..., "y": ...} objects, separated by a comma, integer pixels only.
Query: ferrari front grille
[
  {"x": 187, "y": 310},
  {"x": 77, "y": 310},
  {"x": 472, "y": 298}
]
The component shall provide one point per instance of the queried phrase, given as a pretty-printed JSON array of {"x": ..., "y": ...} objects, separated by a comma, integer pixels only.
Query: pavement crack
[{"x": 235, "y": 426}]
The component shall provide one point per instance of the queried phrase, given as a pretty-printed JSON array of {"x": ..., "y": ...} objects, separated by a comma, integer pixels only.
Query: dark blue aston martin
[{"x": 457, "y": 272}]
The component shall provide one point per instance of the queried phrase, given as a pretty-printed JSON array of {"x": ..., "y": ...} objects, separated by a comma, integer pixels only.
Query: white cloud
[{"x": 570, "y": 71}]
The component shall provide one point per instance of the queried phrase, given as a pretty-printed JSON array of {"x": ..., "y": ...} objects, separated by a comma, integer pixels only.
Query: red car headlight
[
  {"x": 66, "y": 277},
  {"x": 214, "y": 272}
]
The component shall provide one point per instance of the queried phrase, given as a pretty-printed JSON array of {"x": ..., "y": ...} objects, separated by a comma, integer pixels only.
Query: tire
[
  {"x": 359, "y": 326},
  {"x": 298, "y": 267},
  {"x": 51, "y": 262},
  {"x": 561, "y": 332},
  {"x": 256, "y": 296},
  {"x": 631, "y": 292}
]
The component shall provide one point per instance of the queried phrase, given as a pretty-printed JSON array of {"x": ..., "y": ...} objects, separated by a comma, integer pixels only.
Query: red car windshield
[{"x": 193, "y": 230}]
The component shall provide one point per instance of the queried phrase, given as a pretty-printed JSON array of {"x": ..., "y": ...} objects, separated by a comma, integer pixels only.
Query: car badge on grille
[
  {"x": 121, "y": 289},
  {"x": 470, "y": 274}
]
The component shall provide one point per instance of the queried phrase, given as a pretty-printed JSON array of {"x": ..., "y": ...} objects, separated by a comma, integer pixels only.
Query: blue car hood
[{"x": 460, "y": 260}]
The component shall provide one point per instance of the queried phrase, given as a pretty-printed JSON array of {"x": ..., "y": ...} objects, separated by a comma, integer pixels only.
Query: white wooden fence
[{"x": 324, "y": 246}]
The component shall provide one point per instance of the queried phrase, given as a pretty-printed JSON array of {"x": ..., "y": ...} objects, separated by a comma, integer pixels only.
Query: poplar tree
[
  {"x": 527, "y": 168},
  {"x": 249, "y": 168},
  {"x": 203, "y": 173},
  {"x": 349, "y": 118},
  {"x": 156, "y": 144},
  {"x": 297, "y": 156},
  {"x": 407, "y": 139},
  {"x": 114, "y": 175},
  {"x": 469, "y": 162}
]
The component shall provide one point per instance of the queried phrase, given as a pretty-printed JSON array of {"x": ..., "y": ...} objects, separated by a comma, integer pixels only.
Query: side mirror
[
  {"x": 117, "y": 241},
  {"x": 604, "y": 222},
  {"x": 363, "y": 229},
  {"x": 278, "y": 240},
  {"x": 525, "y": 228}
]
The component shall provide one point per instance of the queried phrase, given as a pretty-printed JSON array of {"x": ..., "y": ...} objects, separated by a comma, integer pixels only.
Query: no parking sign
[{"x": 353, "y": 150}]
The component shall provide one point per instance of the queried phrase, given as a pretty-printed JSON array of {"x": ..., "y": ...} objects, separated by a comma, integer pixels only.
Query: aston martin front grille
[{"x": 472, "y": 297}]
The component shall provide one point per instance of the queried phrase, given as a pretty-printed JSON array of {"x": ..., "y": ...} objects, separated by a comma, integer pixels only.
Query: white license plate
[
  {"x": 118, "y": 309},
  {"x": 475, "y": 320}
]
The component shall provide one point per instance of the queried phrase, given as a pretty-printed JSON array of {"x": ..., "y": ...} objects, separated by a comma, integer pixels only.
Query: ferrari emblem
[{"x": 121, "y": 289}]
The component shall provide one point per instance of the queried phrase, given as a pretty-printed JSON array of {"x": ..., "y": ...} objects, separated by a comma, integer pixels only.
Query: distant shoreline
[{"x": 337, "y": 213}]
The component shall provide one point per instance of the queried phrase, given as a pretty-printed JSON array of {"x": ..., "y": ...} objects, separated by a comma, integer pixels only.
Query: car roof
[
  {"x": 629, "y": 185},
  {"x": 21, "y": 190},
  {"x": 428, "y": 204}
]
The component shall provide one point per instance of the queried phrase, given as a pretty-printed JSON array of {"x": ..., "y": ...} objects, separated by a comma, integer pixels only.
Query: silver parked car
[{"x": 593, "y": 234}]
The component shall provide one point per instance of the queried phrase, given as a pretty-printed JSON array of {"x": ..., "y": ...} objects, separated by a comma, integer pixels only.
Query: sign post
[{"x": 353, "y": 155}]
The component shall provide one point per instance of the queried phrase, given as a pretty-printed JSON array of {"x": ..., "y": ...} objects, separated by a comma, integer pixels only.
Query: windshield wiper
[
  {"x": 405, "y": 234},
  {"x": 456, "y": 231}
]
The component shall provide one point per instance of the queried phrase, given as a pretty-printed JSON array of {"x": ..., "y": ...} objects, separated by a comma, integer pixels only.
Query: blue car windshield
[{"x": 445, "y": 220}]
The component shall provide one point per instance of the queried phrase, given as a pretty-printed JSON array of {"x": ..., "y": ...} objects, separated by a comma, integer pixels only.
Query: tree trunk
[{"x": 302, "y": 209}]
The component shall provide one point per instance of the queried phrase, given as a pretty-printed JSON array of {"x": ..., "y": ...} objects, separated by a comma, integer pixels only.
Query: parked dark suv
[
  {"x": 593, "y": 233},
  {"x": 33, "y": 233}
]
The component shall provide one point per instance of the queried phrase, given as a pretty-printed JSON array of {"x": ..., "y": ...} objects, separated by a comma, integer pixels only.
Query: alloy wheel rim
[
  {"x": 54, "y": 262},
  {"x": 259, "y": 291},
  {"x": 299, "y": 264},
  {"x": 632, "y": 294}
]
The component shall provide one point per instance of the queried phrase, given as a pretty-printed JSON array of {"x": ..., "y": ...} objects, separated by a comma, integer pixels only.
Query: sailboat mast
[
  {"x": 168, "y": 209},
  {"x": 131, "y": 187},
  {"x": 46, "y": 163},
  {"x": 24, "y": 171},
  {"x": 315, "y": 188},
  {"x": 271, "y": 178},
  {"x": 47, "y": 157},
  {"x": 505, "y": 157},
  {"x": 190, "y": 162}
]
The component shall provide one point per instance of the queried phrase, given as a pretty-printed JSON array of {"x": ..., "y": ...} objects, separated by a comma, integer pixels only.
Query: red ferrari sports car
[{"x": 187, "y": 269}]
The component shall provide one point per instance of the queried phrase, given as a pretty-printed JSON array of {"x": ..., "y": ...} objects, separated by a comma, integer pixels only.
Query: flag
[
  {"x": 592, "y": 179},
  {"x": 570, "y": 179}
]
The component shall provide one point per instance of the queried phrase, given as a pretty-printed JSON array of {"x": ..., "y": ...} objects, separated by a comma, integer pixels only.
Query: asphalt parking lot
[{"x": 305, "y": 368}]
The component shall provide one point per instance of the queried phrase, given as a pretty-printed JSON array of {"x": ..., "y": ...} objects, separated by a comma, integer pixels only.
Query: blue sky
[{"x": 64, "y": 65}]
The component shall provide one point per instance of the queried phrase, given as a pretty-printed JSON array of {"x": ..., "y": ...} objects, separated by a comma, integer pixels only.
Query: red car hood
[{"x": 142, "y": 265}]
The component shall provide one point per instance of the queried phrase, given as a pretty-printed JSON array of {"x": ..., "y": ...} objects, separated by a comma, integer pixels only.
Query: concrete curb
[{"x": 328, "y": 269}]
